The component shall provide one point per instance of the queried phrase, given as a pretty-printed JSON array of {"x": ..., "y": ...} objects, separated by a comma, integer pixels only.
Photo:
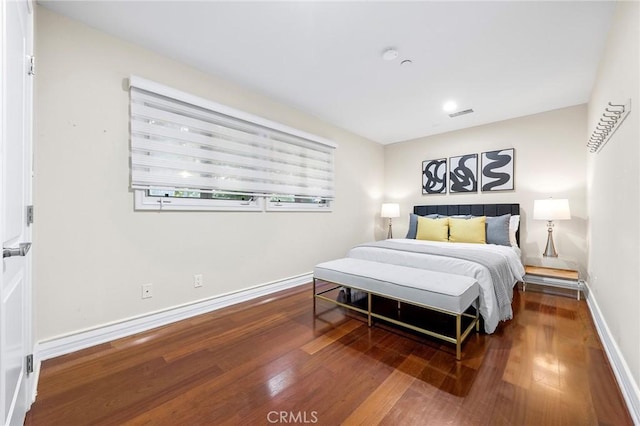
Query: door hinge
[
  {"x": 32, "y": 65},
  {"x": 29, "y": 363},
  {"x": 29, "y": 215}
]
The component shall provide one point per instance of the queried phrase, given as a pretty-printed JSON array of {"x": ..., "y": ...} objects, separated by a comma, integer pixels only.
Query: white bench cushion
[{"x": 453, "y": 293}]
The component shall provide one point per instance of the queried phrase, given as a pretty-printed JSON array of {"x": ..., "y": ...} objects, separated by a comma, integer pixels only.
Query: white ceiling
[{"x": 503, "y": 59}]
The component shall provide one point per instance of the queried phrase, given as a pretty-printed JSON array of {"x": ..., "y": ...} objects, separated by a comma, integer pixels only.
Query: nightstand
[{"x": 553, "y": 277}]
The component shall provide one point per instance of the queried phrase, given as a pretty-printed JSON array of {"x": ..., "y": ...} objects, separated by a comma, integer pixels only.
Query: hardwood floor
[{"x": 270, "y": 361}]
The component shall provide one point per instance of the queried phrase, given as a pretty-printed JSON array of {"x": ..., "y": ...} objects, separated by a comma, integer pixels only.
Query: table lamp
[
  {"x": 390, "y": 210},
  {"x": 550, "y": 210}
]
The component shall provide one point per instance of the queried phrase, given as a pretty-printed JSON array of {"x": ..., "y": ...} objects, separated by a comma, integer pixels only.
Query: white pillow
[{"x": 514, "y": 224}]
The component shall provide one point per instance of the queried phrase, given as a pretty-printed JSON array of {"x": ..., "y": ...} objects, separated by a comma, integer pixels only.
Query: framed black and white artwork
[
  {"x": 434, "y": 176},
  {"x": 463, "y": 173},
  {"x": 497, "y": 170}
]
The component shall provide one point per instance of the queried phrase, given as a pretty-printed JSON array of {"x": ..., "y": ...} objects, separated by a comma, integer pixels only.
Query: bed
[{"x": 497, "y": 268}]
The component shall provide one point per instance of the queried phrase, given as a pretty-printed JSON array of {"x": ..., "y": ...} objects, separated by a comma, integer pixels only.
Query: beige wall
[
  {"x": 550, "y": 160},
  {"x": 93, "y": 252},
  {"x": 614, "y": 190}
]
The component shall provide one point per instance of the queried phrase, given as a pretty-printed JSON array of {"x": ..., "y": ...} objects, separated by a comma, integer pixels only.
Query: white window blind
[{"x": 183, "y": 142}]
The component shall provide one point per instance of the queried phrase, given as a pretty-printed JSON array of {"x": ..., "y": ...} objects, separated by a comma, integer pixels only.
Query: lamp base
[
  {"x": 389, "y": 234},
  {"x": 550, "y": 250}
]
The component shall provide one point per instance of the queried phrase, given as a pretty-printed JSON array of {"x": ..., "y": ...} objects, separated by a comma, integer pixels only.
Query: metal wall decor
[
  {"x": 434, "y": 176},
  {"x": 497, "y": 170},
  {"x": 463, "y": 173},
  {"x": 612, "y": 118}
]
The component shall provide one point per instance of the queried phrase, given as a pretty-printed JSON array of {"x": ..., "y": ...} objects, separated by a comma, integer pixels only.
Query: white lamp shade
[
  {"x": 551, "y": 209},
  {"x": 390, "y": 210}
]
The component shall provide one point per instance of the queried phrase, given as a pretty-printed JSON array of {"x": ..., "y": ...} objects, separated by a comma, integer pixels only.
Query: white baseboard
[
  {"x": 65, "y": 344},
  {"x": 628, "y": 385}
]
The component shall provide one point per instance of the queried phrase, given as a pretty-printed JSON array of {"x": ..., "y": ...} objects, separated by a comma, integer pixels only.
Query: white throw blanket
[{"x": 497, "y": 268}]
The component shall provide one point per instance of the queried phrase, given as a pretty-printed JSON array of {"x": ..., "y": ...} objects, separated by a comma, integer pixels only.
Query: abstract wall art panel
[
  {"x": 463, "y": 173},
  {"x": 497, "y": 170},
  {"x": 434, "y": 176}
]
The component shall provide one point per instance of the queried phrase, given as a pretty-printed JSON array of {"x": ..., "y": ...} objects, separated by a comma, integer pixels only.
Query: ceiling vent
[{"x": 459, "y": 113}]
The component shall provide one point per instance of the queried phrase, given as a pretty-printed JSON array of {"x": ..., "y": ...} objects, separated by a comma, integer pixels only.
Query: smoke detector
[{"x": 390, "y": 54}]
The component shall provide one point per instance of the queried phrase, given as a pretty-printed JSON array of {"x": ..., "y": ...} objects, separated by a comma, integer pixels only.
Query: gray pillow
[
  {"x": 498, "y": 230},
  {"x": 413, "y": 224}
]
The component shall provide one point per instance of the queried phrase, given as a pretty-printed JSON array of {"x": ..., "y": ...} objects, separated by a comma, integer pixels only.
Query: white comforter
[{"x": 488, "y": 301}]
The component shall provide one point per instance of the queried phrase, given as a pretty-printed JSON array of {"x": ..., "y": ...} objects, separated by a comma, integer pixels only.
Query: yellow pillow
[
  {"x": 432, "y": 229},
  {"x": 468, "y": 230}
]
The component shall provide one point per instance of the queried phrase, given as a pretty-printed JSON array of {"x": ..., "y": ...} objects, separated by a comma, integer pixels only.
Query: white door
[{"x": 15, "y": 195}]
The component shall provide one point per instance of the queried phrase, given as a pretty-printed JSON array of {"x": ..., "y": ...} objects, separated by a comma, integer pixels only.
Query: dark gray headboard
[{"x": 472, "y": 209}]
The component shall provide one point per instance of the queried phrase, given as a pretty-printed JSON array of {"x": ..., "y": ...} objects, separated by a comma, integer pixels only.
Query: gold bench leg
[
  {"x": 314, "y": 297},
  {"x": 369, "y": 309},
  {"x": 458, "y": 343}
]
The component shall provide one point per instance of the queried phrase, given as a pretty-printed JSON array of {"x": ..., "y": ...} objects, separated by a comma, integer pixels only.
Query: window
[
  {"x": 155, "y": 199},
  {"x": 293, "y": 203},
  {"x": 188, "y": 153}
]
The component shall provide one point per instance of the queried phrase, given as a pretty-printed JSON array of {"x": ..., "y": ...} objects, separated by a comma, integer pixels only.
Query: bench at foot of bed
[{"x": 436, "y": 291}]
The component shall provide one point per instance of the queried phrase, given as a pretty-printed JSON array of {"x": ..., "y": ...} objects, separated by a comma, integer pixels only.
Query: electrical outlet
[
  {"x": 147, "y": 290},
  {"x": 197, "y": 280}
]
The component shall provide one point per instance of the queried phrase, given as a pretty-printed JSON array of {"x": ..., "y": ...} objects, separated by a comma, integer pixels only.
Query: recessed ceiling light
[
  {"x": 449, "y": 106},
  {"x": 406, "y": 63},
  {"x": 389, "y": 54}
]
